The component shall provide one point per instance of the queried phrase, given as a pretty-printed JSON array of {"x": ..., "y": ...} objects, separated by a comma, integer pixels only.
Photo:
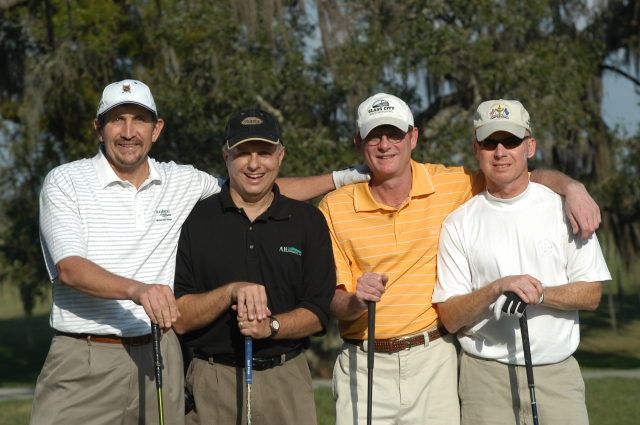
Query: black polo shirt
[{"x": 287, "y": 249}]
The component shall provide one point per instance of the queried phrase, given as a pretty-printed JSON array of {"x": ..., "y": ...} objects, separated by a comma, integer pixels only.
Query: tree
[{"x": 310, "y": 64}]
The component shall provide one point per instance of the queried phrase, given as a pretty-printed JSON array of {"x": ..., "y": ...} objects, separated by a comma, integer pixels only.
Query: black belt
[{"x": 258, "y": 363}]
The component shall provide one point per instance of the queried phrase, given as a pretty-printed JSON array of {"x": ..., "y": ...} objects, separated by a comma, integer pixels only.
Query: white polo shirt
[
  {"x": 86, "y": 210},
  {"x": 488, "y": 238}
]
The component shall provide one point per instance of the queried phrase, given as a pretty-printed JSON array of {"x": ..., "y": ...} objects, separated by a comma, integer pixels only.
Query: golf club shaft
[
  {"x": 248, "y": 372},
  {"x": 155, "y": 332},
  {"x": 370, "y": 352},
  {"x": 524, "y": 329}
]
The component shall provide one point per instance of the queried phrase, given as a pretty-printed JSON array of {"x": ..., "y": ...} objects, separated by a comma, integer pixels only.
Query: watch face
[{"x": 275, "y": 325}]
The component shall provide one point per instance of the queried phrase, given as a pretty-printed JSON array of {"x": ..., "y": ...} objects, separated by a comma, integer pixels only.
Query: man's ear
[
  {"x": 357, "y": 140},
  {"x": 281, "y": 156},
  {"x": 97, "y": 129},
  {"x": 476, "y": 149},
  {"x": 531, "y": 147}
]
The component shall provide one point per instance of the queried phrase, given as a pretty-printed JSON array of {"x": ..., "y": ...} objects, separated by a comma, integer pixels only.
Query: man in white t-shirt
[
  {"x": 515, "y": 238},
  {"x": 109, "y": 231}
]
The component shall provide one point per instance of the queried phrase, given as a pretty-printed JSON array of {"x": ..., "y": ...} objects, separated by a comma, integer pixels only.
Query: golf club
[
  {"x": 524, "y": 329},
  {"x": 155, "y": 332},
  {"x": 248, "y": 372},
  {"x": 370, "y": 351}
]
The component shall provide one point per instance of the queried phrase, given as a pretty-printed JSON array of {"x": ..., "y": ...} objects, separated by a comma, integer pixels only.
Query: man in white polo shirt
[
  {"x": 109, "y": 231},
  {"x": 514, "y": 238}
]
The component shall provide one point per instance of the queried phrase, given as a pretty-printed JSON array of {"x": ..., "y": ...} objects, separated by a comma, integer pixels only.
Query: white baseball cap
[
  {"x": 126, "y": 91},
  {"x": 500, "y": 115},
  {"x": 381, "y": 109}
]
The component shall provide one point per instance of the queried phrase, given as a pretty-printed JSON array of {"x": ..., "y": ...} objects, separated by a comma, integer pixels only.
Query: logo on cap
[
  {"x": 499, "y": 112},
  {"x": 379, "y": 103},
  {"x": 380, "y": 106},
  {"x": 251, "y": 121},
  {"x": 126, "y": 88}
]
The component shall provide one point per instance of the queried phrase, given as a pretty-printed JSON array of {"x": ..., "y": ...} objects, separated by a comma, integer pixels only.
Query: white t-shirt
[
  {"x": 86, "y": 210},
  {"x": 488, "y": 238}
]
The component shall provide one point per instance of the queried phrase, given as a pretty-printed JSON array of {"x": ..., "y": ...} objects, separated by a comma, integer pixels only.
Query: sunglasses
[{"x": 508, "y": 142}]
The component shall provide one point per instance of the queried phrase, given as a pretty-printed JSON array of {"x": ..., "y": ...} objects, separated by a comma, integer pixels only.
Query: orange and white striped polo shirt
[{"x": 402, "y": 243}]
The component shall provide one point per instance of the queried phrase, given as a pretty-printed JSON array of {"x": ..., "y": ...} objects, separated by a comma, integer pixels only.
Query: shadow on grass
[
  {"x": 592, "y": 360},
  {"x": 21, "y": 360}
]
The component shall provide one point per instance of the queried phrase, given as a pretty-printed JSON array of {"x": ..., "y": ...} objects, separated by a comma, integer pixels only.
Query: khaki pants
[
  {"x": 282, "y": 395},
  {"x": 96, "y": 383},
  {"x": 416, "y": 386},
  {"x": 495, "y": 393}
]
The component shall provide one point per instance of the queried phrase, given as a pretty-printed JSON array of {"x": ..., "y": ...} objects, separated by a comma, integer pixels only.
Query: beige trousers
[
  {"x": 416, "y": 386},
  {"x": 494, "y": 393},
  {"x": 282, "y": 395},
  {"x": 96, "y": 383}
]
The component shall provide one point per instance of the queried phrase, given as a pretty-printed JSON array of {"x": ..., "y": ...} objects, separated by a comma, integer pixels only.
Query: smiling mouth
[{"x": 254, "y": 176}]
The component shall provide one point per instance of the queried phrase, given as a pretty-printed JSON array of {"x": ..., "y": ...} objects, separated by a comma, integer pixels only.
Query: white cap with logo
[
  {"x": 381, "y": 109},
  {"x": 126, "y": 91},
  {"x": 500, "y": 115}
]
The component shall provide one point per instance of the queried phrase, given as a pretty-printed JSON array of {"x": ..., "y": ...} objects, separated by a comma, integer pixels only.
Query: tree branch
[
  {"x": 621, "y": 72},
  {"x": 8, "y": 4}
]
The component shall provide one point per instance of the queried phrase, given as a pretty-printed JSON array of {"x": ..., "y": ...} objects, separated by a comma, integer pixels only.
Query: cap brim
[
  {"x": 232, "y": 143},
  {"x": 383, "y": 120},
  {"x": 124, "y": 102},
  {"x": 492, "y": 127}
]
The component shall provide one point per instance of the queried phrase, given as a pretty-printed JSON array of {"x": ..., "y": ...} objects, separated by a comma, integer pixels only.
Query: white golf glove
[
  {"x": 510, "y": 304},
  {"x": 351, "y": 175}
]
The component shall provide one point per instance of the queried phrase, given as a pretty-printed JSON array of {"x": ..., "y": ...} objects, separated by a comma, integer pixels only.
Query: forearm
[
  {"x": 199, "y": 310},
  {"x": 558, "y": 182},
  {"x": 574, "y": 296},
  {"x": 305, "y": 188},
  {"x": 298, "y": 323},
  {"x": 461, "y": 310},
  {"x": 89, "y": 278},
  {"x": 345, "y": 306}
]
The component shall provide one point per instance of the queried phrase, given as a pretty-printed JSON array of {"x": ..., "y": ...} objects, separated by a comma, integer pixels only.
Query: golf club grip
[
  {"x": 372, "y": 333},
  {"x": 248, "y": 359},
  {"x": 155, "y": 333},
  {"x": 370, "y": 352},
  {"x": 524, "y": 330}
]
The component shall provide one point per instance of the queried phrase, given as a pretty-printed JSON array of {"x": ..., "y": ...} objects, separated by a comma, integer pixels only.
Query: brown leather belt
[
  {"x": 111, "y": 339},
  {"x": 398, "y": 344}
]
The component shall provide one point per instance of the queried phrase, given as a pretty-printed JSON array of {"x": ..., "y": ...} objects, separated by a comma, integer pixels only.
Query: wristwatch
[{"x": 274, "y": 325}]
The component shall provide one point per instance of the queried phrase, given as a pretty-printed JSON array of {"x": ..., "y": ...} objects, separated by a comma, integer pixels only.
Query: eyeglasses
[
  {"x": 394, "y": 137},
  {"x": 508, "y": 142}
]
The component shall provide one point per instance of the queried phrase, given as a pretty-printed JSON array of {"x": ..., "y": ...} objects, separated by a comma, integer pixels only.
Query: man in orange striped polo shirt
[{"x": 385, "y": 239}]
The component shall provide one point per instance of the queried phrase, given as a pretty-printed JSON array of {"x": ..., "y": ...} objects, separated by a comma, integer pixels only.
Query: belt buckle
[{"x": 408, "y": 339}]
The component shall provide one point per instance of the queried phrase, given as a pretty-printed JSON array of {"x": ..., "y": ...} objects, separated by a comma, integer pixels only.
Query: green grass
[
  {"x": 325, "y": 407},
  {"x": 15, "y": 412},
  {"x": 610, "y": 401}
]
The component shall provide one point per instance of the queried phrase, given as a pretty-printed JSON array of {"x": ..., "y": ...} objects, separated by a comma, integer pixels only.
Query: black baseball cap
[{"x": 252, "y": 124}]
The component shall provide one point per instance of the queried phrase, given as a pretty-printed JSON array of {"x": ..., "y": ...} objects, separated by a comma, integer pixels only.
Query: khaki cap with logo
[{"x": 500, "y": 115}]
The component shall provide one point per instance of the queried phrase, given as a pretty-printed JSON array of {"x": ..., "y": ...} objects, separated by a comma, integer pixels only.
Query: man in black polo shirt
[{"x": 252, "y": 262}]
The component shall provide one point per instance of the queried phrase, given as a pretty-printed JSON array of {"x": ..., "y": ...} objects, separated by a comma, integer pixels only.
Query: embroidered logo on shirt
[
  {"x": 545, "y": 247},
  {"x": 291, "y": 250},
  {"x": 163, "y": 215}
]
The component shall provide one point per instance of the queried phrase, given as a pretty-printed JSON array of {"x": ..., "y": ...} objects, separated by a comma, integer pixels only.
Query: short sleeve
[
  {"x": 454, "y": 272},
  {"x": 318, "y": 278},
  {"x": 61, "y": 229},
  {"x": 210, "y": 184}
]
